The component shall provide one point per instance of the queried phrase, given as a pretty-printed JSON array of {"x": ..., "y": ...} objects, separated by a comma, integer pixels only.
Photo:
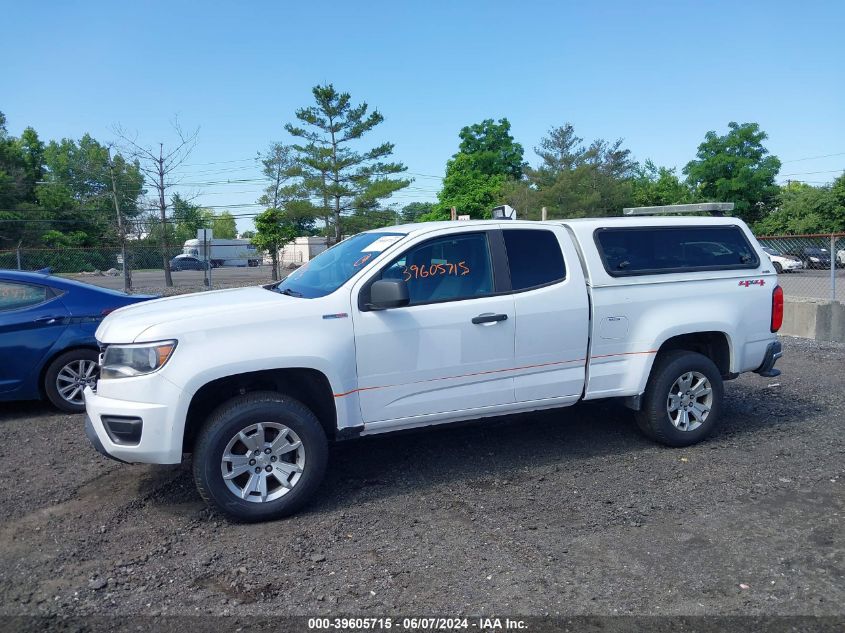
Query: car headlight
[{"x": 125, "y": 361}]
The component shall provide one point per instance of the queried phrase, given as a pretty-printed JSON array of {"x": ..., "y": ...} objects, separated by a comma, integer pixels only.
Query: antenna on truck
[{"x": 717, "y": 209}]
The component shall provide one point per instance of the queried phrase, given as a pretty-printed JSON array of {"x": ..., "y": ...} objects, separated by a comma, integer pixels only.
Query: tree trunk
[
  {"x": 162, "y": 205},
  {"x": 275, "y": 257},
  {"x": 337, "y": 231},
  {"x": 326, "y": 212}
]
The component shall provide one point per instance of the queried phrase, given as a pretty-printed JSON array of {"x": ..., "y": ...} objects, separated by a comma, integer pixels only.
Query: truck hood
[{"x": 172, "y": 316}]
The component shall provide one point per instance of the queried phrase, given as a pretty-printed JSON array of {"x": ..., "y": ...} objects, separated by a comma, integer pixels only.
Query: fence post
[
  {"x": 832, "y": 268},
  {"x": 18, "y": 251}
]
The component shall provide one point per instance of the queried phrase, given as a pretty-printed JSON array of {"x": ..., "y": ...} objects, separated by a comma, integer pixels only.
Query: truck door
[
  {"x": 552, "y": 313},
  {"x": 452, "y": 348}
]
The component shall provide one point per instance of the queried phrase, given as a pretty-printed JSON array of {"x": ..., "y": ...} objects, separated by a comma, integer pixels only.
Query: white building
[{"x": 302, "y": 250}]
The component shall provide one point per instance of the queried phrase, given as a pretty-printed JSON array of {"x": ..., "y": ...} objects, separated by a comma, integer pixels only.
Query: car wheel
[
  {"x": 683, "y": 399},
  {"x": 260, "y": 456},
  {"x": 67, "y": 376},
  {"x": 778, "y": 268}
]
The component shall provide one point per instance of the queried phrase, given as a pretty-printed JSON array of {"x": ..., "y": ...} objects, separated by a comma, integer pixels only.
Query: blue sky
[{"x": 658, "y": 74}]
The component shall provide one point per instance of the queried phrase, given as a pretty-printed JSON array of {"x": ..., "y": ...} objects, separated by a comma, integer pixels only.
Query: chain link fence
[
  {"x": 809, "y": 266},
  {"x": 103, "y": 266}
]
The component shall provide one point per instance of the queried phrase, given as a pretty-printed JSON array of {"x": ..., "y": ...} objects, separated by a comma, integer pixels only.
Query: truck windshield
[{"x": 332, "y": 268}]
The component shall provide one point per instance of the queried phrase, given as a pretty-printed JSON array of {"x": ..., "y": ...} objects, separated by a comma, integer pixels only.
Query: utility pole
[
  {"x": 121, "y": 230},
  {"x": 544, "y": 214},
  {"x": 454, "y": 214}
]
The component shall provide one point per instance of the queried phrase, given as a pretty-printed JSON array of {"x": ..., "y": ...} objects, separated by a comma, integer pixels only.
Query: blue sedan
[{"x": 47, "y": 345}]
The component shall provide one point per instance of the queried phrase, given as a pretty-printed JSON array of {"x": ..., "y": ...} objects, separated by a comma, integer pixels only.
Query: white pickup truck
[{"x": 424, "y": 324}]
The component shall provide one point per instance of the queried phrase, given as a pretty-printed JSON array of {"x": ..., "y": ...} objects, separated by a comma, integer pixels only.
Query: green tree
[
  {"x": 186, "y": 218},
  {"x": 331, "y": 169},
  {"x": 492, "y": 148},
  {"x": 560, "y": 150},
  {"x": 273, "y": 229},
  {"x": 806, "y": 209},
  {"x": 471, "y": 191},
  {"x": 574, "y": 180},
  {"x": 223, "y": 226},
  {"x": 76, "y": 190},
  {"x": 367, "y": 219},
  {"x": 487, "y": 158},
  {"x": 656, "y": 186},
  {"x": 737, "y": 168},
  {"x": 412, "y": 211},
  {"x": 280, "y": 168},
  {"x": 247, "y": 235}
]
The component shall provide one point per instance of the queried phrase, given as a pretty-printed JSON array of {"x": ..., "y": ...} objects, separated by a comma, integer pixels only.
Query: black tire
[
  {"x": 653, "y": 419},
  {"x": 51, "y": 389},
  {"x": 778, "y": 267},
  {"x": 238, "y": 414}
]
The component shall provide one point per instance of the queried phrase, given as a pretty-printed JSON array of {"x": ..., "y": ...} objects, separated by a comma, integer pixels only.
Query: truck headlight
[{"x": 124, "y": 361}]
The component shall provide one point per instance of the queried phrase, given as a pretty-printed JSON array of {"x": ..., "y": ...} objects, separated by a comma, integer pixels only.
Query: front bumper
[
  {"x": 773, "y": 352},
  {"x": 161, "y": 437},
  {"x": 95, "y": 441}
]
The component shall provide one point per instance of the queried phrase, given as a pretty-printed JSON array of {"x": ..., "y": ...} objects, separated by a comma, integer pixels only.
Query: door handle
[
  {"x": 48, "y": 320},
  {"x": 489, "y": 318}
]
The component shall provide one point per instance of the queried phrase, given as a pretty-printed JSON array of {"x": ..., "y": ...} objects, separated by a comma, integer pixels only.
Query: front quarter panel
[{"x": 297, "y": 336}]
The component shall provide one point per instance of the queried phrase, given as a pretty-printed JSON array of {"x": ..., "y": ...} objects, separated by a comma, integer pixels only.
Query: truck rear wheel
[
  {"x": 683, "y": 399},
  {"x": 260, "y": 456}
]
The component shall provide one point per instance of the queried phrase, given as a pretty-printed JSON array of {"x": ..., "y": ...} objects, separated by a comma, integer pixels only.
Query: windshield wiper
[{"x": 290, "y": 293}]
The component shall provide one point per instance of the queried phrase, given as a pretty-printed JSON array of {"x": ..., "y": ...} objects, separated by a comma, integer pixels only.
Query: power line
[
  {"x": 221, "y": 162},
  {"x": 798, "y": 160},
  {"x": 807, "y": 173}
]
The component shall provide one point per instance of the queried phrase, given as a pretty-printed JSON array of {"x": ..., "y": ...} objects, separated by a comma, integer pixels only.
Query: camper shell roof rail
[{"x": 713, "y": 208}]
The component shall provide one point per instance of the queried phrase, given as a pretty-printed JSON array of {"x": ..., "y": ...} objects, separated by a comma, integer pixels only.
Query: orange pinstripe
[{"x": 493, "y": 371}]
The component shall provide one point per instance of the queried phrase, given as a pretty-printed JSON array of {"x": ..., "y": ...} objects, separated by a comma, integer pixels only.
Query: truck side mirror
[{"x": 388, "y": 293}]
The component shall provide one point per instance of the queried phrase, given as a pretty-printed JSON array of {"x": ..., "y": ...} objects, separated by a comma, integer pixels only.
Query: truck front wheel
[
  {"x": 683, "y": 399},
  {"x": 260, "y": 456}
]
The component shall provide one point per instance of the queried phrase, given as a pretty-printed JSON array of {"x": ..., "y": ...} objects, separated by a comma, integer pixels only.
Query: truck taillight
[{"x": 777, "y": 308}]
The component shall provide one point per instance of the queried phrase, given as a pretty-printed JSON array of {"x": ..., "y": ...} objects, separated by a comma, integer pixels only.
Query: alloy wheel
[
  {"x": 74, "y": 377},
  {"x": 690, "y": 400},
  {"x": 263, "y": 462}
]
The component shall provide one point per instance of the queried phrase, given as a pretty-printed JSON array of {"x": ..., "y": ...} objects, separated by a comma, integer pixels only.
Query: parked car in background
[
  {"x": 783, "y": 263},
  {"x": 840, "y": 258},
  {"x": 812, "y": 257},
  {"x": 187, "y": 262},
  {"x": 47, "y": 343}
]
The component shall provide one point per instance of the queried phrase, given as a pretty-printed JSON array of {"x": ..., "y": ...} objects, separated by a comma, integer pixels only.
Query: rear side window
[
  {"x": 654, "y": 250},
  {"x": 14, "y": 296},
  {"x": 534, "y": 258}
]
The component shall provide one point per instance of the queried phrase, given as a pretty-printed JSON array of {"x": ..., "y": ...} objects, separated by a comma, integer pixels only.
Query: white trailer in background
[
  {"x": 302, "y": 250},
  {"x": 223, "y": 252}
]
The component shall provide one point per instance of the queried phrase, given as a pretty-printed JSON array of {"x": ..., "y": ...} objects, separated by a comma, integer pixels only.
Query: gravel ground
[{"x": 564, "y": 512}]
